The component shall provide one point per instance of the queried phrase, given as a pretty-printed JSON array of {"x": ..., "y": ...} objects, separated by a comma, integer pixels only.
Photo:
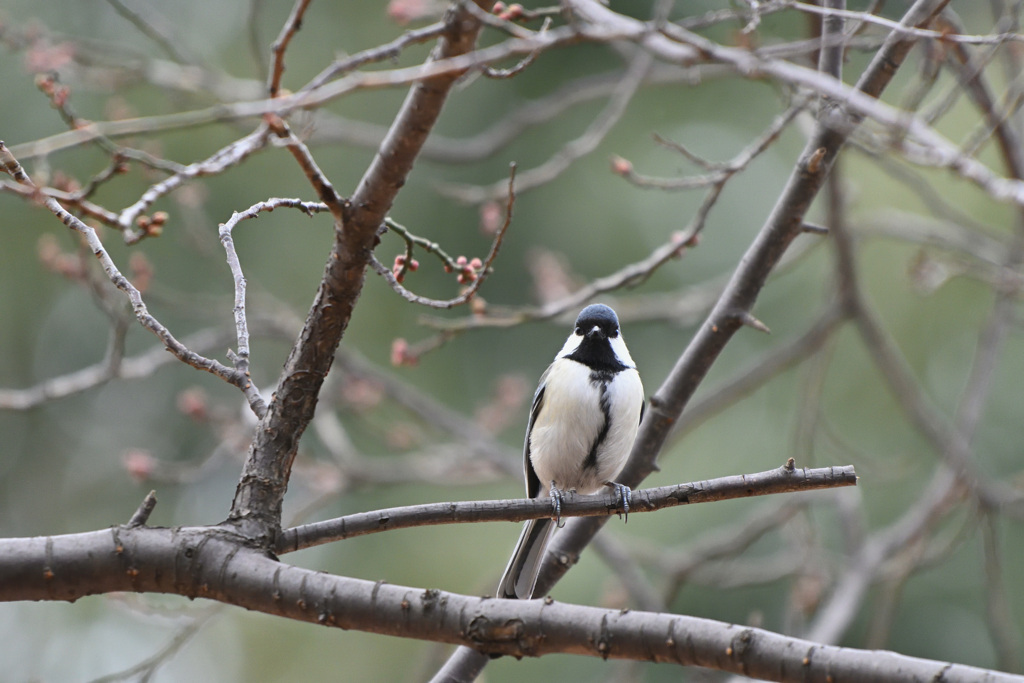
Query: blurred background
[{"x": 85, "y": 461}]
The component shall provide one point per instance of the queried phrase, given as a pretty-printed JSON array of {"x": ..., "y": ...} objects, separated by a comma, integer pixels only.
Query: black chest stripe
[{"x": 601, "y": 379}]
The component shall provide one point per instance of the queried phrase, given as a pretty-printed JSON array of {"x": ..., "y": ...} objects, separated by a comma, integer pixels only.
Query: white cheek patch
[
  {"x": 570, "y": 345},
  {"x": 621, "y": 352}
]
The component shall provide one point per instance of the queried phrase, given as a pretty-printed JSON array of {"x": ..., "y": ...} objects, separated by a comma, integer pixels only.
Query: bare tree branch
[
  {"x": 373, "y": 429},
  {"x": 218, "y": 567},
  {"x": 780, "y": 480},
  {"x": 183, "y": 353},
  {"x": 257, "y": 505}
]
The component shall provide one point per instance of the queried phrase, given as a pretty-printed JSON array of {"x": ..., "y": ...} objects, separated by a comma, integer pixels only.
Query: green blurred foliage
[{"x": 61, "y": 466}]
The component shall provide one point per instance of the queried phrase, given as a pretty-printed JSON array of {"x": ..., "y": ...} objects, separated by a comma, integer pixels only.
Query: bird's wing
[{"x": 532, "y": 480}]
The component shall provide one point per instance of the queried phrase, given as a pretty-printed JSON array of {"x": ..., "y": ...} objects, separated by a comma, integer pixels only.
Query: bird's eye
[{"x": 579, "y": 331}]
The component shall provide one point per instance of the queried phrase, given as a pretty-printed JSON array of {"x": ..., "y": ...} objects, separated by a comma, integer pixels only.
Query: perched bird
[{"x": 584, "y": 419}]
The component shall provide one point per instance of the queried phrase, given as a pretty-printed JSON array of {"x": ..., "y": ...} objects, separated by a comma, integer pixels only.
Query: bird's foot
[
  {"x": 624, "y": 494},
  {"x": 556, "y": 504}
]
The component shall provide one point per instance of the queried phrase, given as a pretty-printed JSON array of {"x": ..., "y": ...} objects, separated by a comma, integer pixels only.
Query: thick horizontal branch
[
  {"x": 780, "y": 480},
  {"x": 220, "y": 565}
]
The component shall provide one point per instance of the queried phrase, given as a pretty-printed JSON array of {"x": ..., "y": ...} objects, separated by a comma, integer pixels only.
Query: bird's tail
[{"x": 520, "y": 576}]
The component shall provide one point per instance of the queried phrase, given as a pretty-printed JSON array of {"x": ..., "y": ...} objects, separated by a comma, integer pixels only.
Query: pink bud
[
  {"x": 621, "y": 166},
  {"x": 139, "y": 464},
  {"x": 400, "y": 353}
]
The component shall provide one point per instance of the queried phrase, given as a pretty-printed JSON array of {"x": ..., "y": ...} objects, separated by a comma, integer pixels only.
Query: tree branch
[
  {"x": 257, "y": 504},
  {"x": 781, "y": 480},
  {"x": 10, "y": 165},
  {"x": 783, "y": 225},
  {"x": 219, "y": 565}
]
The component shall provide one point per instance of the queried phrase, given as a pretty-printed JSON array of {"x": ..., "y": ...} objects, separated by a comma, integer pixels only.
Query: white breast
[{"x": 571, "y": 420}]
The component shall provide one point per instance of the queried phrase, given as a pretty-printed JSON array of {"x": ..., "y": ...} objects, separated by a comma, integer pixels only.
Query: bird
[{"x": 584, "y": 418}]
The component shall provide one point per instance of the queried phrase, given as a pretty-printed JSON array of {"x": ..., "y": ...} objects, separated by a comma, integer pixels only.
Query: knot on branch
[{"x": 504, "y": 635}]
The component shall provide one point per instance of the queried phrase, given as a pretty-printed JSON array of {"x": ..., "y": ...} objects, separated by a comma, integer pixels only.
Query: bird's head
[
  {"x": 597, "y": 321},
  {"x": 595, "y": 340}
]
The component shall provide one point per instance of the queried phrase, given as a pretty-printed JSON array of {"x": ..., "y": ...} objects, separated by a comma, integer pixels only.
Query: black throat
[{"x": 596, "y": 353}]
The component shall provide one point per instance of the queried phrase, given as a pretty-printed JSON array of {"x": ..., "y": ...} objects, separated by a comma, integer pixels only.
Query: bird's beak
[{"x": 595, "y": 333}]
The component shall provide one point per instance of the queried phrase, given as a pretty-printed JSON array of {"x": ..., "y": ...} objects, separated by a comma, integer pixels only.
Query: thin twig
[
  {"x": 241, "y": 357},
  {"x": 231, "y": 155},
  {"x": 1001, "y": 625},
  {"x": 499, "y": 74},
  {"x": 377, "y": 54},
  {"x": 166, "y": 43},
  {"x": 897, "y": 28},
  {"x": 147, "y": 667},
  {"x": 480, "y": 276},
  {"x": 280, "y": 46},
  {"x": 92, "y": 376},
  {"x": 626, "y": 276},
  {"x": 571, "y": 151},
  {"x": 720, "y": 173}
]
